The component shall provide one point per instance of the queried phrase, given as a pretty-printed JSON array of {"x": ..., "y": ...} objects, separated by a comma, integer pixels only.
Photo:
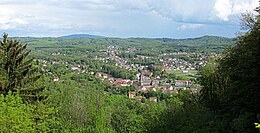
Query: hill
[
  {"x": 81, "y": 36},
  {"x": 200, "y": 41}
]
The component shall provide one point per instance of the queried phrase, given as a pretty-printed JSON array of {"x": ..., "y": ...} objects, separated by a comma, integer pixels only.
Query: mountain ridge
[{"x": 81, "y": 36}]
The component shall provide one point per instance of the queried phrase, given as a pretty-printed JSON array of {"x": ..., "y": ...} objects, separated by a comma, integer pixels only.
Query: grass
[{"x": 183, "y": 76}]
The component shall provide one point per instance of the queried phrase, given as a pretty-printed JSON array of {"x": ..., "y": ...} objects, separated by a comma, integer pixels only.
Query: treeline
[
  {"x": 142, "y": 46},
  {"x": 118, "y": 72},
  {"x": 231, "y": 84}
]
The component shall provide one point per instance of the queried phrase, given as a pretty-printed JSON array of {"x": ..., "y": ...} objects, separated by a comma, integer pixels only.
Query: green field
[{"x": 184, "y": 75}]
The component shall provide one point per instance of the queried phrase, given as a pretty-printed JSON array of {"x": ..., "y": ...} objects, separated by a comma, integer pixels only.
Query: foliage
[
  {"x": 15, "y": 116},
  {"x": 117, "y": 72},
  {"x": 44, "y": 117},
  {"x": 231, "y": 85},
  {"x": 17, "y": 73}
]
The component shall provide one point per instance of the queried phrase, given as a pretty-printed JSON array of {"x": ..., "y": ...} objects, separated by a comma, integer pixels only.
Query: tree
[
  {"x": 232, "y": 87},
  {"x": 17, "y": 72},
  {"x": 240, "y": 66},
  {"x": 213, "y": 83},
  {"x": 15, "y": 116}
]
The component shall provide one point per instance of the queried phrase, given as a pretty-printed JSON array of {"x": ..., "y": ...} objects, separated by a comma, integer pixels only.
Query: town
[{"x": 184, "y": 71}]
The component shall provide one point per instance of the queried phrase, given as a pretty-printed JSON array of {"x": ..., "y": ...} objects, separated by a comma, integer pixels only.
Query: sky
[{"x": 123, "y": 18}]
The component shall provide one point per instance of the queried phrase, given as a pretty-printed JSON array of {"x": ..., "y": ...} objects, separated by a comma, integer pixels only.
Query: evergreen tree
[{"x": 17, "y": 72}]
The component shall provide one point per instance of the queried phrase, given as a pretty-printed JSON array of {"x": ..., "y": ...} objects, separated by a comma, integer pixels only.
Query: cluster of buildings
[
  {"x": 167, "y": 63},
  {"x": 145, "y": 84}
]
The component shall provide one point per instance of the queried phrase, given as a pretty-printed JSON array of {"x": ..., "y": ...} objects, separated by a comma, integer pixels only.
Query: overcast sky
[{"x": 123, "y": 18}]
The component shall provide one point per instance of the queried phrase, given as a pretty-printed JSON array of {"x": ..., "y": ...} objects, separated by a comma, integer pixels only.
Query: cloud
[
  {"x": 226, "y": 8},
  {"x": 118, "y": 17},
  {"x": 185, "y": 10},
  {"x": 9, "y": 19},
  {"x": 190, "y": 26}
]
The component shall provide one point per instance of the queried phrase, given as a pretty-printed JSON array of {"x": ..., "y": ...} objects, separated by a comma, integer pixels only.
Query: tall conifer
[{"x": 17, "y": 73}]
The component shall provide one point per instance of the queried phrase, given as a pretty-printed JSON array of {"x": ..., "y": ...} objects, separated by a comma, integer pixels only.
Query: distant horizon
[{"x": 116, "y": 37}]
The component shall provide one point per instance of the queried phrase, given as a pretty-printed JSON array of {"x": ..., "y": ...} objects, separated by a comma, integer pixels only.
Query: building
[
  {"x": 105, "y": 76},
  {"x": 139, "y": 97},
  {"x": 55, "y": 79},
  {"x": 131, "y": 95},
  {"x": 98, "y": 75},
  {"x": 74, "y": 68},
  {"x": 153, "y": 99},
  {"x": 183, "y": 83}
]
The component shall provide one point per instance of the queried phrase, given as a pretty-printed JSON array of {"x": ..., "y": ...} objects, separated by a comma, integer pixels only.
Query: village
[
  {"x": 145, "y": 81},
  {"x": 145, "y": 84},
  {"x": 167, "y": 63}
]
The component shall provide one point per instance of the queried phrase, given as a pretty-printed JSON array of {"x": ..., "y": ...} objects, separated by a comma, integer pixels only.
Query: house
[
  {"x": 185, "y": 71},
  {"x": 92, "y": 73},
  {"x": 158, "y": 77},
  {"x": 153, "y": 99},
  {"x": 129, "y": 83},
  {"x": 98, "y": 75},
  {"x": 146, "y": 88},
  {"x": 143, "y": 89},
  {"x": 184, "y": 83},
  {"x": 139, "y": 97},
  {"x": 55, "y": 62},
  {"x": 55, "y": 79},
  {"x": 131, "y": 95},
  {"x": 167, "y": 88},
  {"x": 74, "y": 68},
  {"x": 123, "y": 82},
  {"x": 155, "y": 82},
  {"x": 146, "y": 82},
  {"x": 147, "y": 73},
  {"x": 105, "y": 76},
  {"x": 154, "y": 89},
  {"x": 118, "y": 82},
  {"x": 55, "y": 53},
  {"x": 111, "y": 81}
]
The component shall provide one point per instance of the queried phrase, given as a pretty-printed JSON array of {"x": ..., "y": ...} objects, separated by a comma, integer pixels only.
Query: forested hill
[
  {"x": 200, "y": 41},
  {"x": 81, "y": 36},
  {"x": 144, "y": 46}
]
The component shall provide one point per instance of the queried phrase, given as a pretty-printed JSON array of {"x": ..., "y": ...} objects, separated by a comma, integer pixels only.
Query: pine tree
[{"x": 17, "y": 72}]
